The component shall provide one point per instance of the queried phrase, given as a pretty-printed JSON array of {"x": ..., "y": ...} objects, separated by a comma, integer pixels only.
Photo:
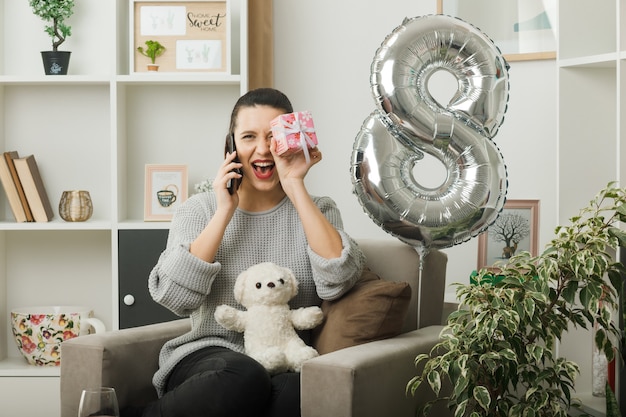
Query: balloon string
[{"x": 422, "y": 252}]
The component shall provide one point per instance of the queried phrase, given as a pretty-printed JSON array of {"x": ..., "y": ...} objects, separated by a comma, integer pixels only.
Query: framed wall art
[
  {"x": 165, "y": 189},
  {"x": 522, "y": 29},
  {"x": 195, "y": 34},
  {"x": 515, "y": 230}
]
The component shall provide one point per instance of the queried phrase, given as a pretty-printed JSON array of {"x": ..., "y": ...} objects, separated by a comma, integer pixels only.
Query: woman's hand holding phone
[{"x": 226, "y": 182}]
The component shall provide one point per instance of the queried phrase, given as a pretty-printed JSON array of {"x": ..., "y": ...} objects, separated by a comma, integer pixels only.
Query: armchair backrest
[{"x": 394, "y": 260}]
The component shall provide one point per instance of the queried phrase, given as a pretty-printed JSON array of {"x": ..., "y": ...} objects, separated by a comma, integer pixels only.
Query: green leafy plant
[
  {"x": 497, "y": 350},
  {"x": 55, "y": 12},
  {"x": 153, "y": 50}
]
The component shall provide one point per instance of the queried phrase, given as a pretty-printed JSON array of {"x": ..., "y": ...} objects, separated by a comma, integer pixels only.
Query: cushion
[{"x": 373, "y": 309}]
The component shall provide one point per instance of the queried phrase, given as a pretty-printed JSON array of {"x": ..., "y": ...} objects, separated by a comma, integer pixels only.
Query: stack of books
[{"x": 24, "y": 188}]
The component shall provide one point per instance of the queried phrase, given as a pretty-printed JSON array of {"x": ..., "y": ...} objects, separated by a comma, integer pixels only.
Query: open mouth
[{"x": 263, "y": 169}]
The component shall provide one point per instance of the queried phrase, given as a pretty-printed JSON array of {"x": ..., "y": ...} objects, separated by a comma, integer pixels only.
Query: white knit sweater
[{"x": 191, "y": 287}]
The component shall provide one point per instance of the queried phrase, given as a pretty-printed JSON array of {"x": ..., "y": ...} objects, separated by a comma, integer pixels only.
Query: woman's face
[{"x": 252, "y": 140}]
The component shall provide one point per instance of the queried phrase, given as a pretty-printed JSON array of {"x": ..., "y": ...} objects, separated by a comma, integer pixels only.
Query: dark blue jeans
[{"x": 216, "y": 381}]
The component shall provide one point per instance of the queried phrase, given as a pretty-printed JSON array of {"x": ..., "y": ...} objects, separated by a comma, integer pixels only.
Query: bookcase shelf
[
  {"x": 57, "y": 224},
  {"x": 180, "y": 79},
  {"x": 94, "y": 129},
  {"x": 591, "y": 133}
]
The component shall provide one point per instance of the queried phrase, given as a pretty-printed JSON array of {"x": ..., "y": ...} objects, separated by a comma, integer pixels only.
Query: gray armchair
[{"x": 359, "y": 381}]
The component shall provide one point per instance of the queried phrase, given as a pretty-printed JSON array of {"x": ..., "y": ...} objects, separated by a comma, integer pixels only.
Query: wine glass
[{"x": 99, "y": 402}]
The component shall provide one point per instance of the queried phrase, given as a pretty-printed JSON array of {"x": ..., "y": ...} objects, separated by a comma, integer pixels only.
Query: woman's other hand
[
  {"x": 226, "y": 173},
  {"x": 293, "y": 166}
]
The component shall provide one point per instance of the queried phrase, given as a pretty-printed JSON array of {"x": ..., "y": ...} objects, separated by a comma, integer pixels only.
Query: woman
[{"x": 213, "y": 237}]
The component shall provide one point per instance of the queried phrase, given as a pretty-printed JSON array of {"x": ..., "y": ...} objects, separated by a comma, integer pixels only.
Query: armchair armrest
[
  {"x": 368, "y": 380},
  {"x": 124, "y": 359}
]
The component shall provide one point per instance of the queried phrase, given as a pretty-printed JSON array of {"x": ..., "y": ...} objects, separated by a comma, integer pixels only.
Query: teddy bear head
[{"x": 265, "y": 284}]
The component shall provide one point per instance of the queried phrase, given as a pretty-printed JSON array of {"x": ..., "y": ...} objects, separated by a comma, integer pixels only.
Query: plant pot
[
  {"x": 55, "y": 62},
  {"x": 153, "y": 67}
]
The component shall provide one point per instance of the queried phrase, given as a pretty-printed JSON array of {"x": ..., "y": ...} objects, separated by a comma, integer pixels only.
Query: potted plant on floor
[
  {"x": 497, "y": 350},
  {"x": 153, "y": 50},
  {"x": 55, "y": 12}
]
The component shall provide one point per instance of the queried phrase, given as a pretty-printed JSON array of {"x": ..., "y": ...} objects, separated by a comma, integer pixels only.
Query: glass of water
[{"x": 101, "y": 402}]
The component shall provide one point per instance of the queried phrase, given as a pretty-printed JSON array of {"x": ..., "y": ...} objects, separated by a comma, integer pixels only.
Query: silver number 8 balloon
[{"x": 409, "y": 123}]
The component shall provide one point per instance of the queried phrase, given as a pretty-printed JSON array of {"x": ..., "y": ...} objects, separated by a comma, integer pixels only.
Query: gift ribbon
[{"x": 297, "y": 127}]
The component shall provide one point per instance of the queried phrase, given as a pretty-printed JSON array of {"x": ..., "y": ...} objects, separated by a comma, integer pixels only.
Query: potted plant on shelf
[
  {"x": 153, "y": 50},
  {"x": 55, "y": 12},
  {"x": 497, "y": 350}
]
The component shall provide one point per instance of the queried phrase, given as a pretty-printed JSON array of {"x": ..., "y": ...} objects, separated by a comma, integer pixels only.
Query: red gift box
[{"x": 294, "y": 132}]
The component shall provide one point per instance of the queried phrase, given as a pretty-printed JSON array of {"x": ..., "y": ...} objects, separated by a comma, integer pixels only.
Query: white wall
[{"x": 323, "y": 53}]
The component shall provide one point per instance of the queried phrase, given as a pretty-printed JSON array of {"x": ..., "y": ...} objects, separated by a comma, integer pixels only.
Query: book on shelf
[
  {"x": 11, "y": 185},
  {"x": 10, "y": 156},
  {"x": 34, "y": 188}
]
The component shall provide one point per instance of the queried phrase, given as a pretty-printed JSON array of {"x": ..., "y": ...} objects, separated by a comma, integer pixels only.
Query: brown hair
[{"x": 258, "y": 97}]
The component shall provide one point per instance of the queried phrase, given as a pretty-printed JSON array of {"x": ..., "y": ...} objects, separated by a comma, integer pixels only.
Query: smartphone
[{"x": 233, "y": 183}]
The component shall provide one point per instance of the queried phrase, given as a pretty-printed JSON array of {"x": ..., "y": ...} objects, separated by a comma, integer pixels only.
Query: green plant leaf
[
  {"x": 460, "y": 386},
  {"x": 529, "y": 412},
  {"x": 615, "y": 277},
  {"x": 535, "y": 351},
  {"x": 421, "y": 357},
  {"x": 612, "y": 408},
  {"x": 434, "y": 379},
  {"x": 529, "y": 307},
  {"x": 413, "y": 385},
  {"x": 482, "y": 397},
  {"x": 569, "y": 292},
  {"x": 460, "y": 409},
  {"x": 462, "y": 364},
  {"x": 531, "y": 391},
  {"x": 621, "y": 211},
  {"x": 508, "y": 354}
]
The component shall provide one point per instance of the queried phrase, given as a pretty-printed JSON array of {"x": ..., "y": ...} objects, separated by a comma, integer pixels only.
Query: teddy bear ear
[
  {"x": 294, "y": 282},
  {"x": 240, "y": 285}
]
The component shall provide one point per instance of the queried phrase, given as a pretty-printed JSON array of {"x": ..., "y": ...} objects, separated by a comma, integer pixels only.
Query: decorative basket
[{"x": 75, "y": 206}]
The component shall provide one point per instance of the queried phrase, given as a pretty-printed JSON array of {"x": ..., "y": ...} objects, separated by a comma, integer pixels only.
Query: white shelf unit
[
  {"x": 590, "y": 132},
  {"x": 93, "y": 129}
]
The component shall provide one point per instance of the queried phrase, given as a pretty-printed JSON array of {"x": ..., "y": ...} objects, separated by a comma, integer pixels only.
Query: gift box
[{"x": 294, "y": 132}]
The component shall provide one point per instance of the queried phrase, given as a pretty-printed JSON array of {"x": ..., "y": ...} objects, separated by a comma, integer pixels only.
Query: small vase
[
  {"x": 599, "y": 369},
  {"x": 75, "y": 206},
  {"x": 153, "y": 67}
]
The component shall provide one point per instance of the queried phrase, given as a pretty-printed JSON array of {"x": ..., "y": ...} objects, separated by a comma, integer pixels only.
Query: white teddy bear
[{"x": 268, "y": 324}]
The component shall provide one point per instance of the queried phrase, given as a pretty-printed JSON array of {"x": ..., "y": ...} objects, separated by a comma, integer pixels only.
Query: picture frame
[
  {"x": 516, "y": 229},
  {"x": 195, "y": 33},
  {"x": 165, "y": 189},
  {"x": 523, "y": 30}
]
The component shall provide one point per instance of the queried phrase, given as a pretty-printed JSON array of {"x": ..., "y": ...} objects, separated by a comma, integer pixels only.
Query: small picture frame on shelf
[
  {"x": 522, "y": 30},
  {"x": 165, "y": 190},
  {"x": 515, "y": 230},
  {"x": 194, "y": 33}
]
